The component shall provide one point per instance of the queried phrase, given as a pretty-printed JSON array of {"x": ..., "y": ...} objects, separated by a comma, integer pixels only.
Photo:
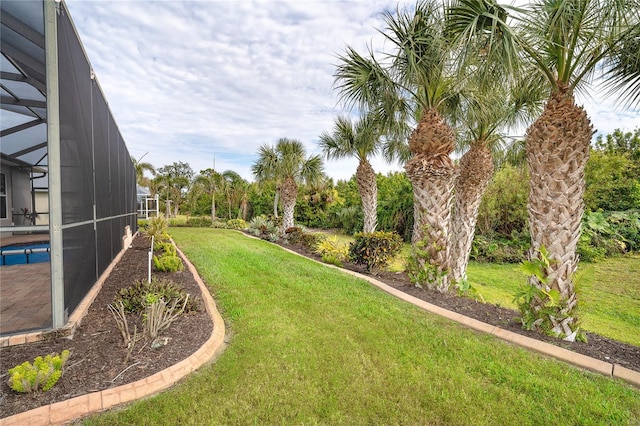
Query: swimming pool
[{"x": 19, "y": 254}]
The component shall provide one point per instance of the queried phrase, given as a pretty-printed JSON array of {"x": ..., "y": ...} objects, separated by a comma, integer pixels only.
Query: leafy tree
[
  {"x": 395, "y": 204},
  {"x": 612, "y": 173},
  {"x": 286, "y": 163}
]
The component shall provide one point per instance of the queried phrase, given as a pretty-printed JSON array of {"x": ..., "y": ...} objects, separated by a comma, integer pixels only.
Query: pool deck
[{"x": 25, "y": 291}]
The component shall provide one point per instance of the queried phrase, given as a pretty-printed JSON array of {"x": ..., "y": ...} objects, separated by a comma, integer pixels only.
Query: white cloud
[{"x": 187, "y": 81}]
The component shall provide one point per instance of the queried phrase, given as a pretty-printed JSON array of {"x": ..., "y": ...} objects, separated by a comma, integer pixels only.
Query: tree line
[{"x": 459, "y": 77}]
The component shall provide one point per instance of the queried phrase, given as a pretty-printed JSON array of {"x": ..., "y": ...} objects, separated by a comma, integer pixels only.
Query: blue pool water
[{"x": 30, "y": 253}]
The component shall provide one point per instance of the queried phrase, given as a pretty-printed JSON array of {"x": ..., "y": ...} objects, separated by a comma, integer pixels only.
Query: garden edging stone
[
  {"x": 75, "y": 408},
  {"x": 605, "y": 368}
]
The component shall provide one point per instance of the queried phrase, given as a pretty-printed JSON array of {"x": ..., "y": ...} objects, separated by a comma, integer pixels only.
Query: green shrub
[
  {"x": 375, "y": 250},
  {"x": 135, "y": 298},
  {"x": 219, "y": 224},
  {"x": 166, "y": 247},
  {"x": 332, "y": 251},
  {"x": 168, "y": 263},
  {"x": 293, "y": 235},
  {"x": 264, "y": 228},
  {"x": 199, "y": 222},
  {"x": 496, "y": 249},
  {"x": 43, "y": 374},
  {"x": 236, "y": 224},
  {"x": 606, "y": 234},
  {"x": 311, "y": 239},
  {"x": 157, "y": 228}
]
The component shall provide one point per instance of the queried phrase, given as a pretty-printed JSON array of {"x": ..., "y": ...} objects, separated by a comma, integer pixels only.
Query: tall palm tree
[
  {"x": 211, "y": 181},
  {"x": 484, "y": 113},
  {"x": 362, "y": 141},
  {"x": 141, "y": 167},
  {"x": 232, "y": 187},
  {"x": 570, "y": 43},
  {"x": 286, "y": 162},
  {"x": 415, "y": 81}
]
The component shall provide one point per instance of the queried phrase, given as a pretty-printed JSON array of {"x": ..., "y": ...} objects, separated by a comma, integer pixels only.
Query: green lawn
[
  {"x": 608, "y": 293},
  {"x": 312, "y": 345}
]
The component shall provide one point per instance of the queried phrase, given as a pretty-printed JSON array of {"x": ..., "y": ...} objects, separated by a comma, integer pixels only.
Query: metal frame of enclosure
[{"x": 58, "y": 128}]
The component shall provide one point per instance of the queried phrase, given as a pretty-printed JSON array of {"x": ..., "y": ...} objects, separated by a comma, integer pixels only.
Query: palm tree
[
  {"x": 360, "y": 140},
  {"x": 415, "y": 81},
  {"x": 570, "y": 43},
  {"x": 232, "y": 186},
  {"x": 482, "y": 116},
  {"x": 286, "y": 163},
  {"x": 211, "y": 181},
  {"x": 141, "y": 167}
]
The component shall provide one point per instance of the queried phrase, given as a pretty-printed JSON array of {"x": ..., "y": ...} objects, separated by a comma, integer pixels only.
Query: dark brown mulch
[
  {"x": 97, "y": 348},
  {"x": 598, "y": 347}
]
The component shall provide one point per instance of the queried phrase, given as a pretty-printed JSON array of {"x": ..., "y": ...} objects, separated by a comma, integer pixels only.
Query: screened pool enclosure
[{"x": 67, "y": 182}]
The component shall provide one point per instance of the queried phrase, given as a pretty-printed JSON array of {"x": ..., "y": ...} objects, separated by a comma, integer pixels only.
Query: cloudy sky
[{"x": 195, "y": 81}]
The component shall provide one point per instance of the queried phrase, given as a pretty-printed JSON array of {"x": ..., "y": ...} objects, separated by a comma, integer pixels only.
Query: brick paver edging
[
  {"x": 71, "y": 409},
  {"x": 602, "y": 367}
]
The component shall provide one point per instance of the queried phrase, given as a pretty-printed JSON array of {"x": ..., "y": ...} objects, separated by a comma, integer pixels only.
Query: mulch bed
[
  {"x": 97, "y": 348},
  {"x": 98, "y": 352}
]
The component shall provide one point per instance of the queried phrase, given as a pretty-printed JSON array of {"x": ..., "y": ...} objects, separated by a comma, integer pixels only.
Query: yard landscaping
[{"x": 309, "y": 344}]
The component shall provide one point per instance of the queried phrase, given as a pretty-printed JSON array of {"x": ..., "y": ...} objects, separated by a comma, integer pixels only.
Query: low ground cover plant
[
  {"x": 42, "y": 375},
  {"x": 332, "y": 251},
  {"x": 135, "y": 297}
]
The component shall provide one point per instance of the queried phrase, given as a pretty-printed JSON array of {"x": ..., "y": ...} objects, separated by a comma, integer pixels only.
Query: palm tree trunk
[
  {"x": 289, "y": 193},
  {"x": 557, "y": 152},
  {"x": 366, "y": 179},
  {"x": 275, "y": 202},
  {"x": 476, "y": 169},
  {"x": 432, "y": 175},
  {"x": 213, "y": 207}
]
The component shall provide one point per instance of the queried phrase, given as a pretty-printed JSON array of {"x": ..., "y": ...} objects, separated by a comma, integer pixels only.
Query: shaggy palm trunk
[
  {"x": 288, "y": 193},
  {"x": 213, "y": 206},
  {"x": 366, "y": 178},
  {"x": 432, "y": 175},
  {"x": 275, "y": 202},
  {"x": 557, "y": 152},
  {"x": 476, "y": 169}
]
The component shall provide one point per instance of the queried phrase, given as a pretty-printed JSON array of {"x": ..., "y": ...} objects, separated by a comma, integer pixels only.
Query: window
[{"x": 3, "y": 196}]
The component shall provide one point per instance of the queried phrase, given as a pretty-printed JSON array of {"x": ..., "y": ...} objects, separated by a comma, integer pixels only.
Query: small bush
[
  {"x": 219, "y": 224},
  {"x": 43, "y": 374},
  {"x": 236, "y": 224},
  {"x": 495, "y": 249},
  {"x": 168, "y": 263},
  {"x": 135, "y": 298},
  {"x": 311, "y": 239},
  {"x": 332, "y": 251},
  {"x": 165, "y": 247},
  {"x": 263, "y": 228},
  {"x": 199, "y": 222},
  {"x": 157, "y": 228},
  {"x": 375, "y": 250},
  {"x": 293, "y": 235}
]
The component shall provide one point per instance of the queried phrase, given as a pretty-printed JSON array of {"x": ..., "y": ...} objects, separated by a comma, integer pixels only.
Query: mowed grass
[
  {"x": 311, "y": 345},
  {"x": 608, "y": 293}
]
